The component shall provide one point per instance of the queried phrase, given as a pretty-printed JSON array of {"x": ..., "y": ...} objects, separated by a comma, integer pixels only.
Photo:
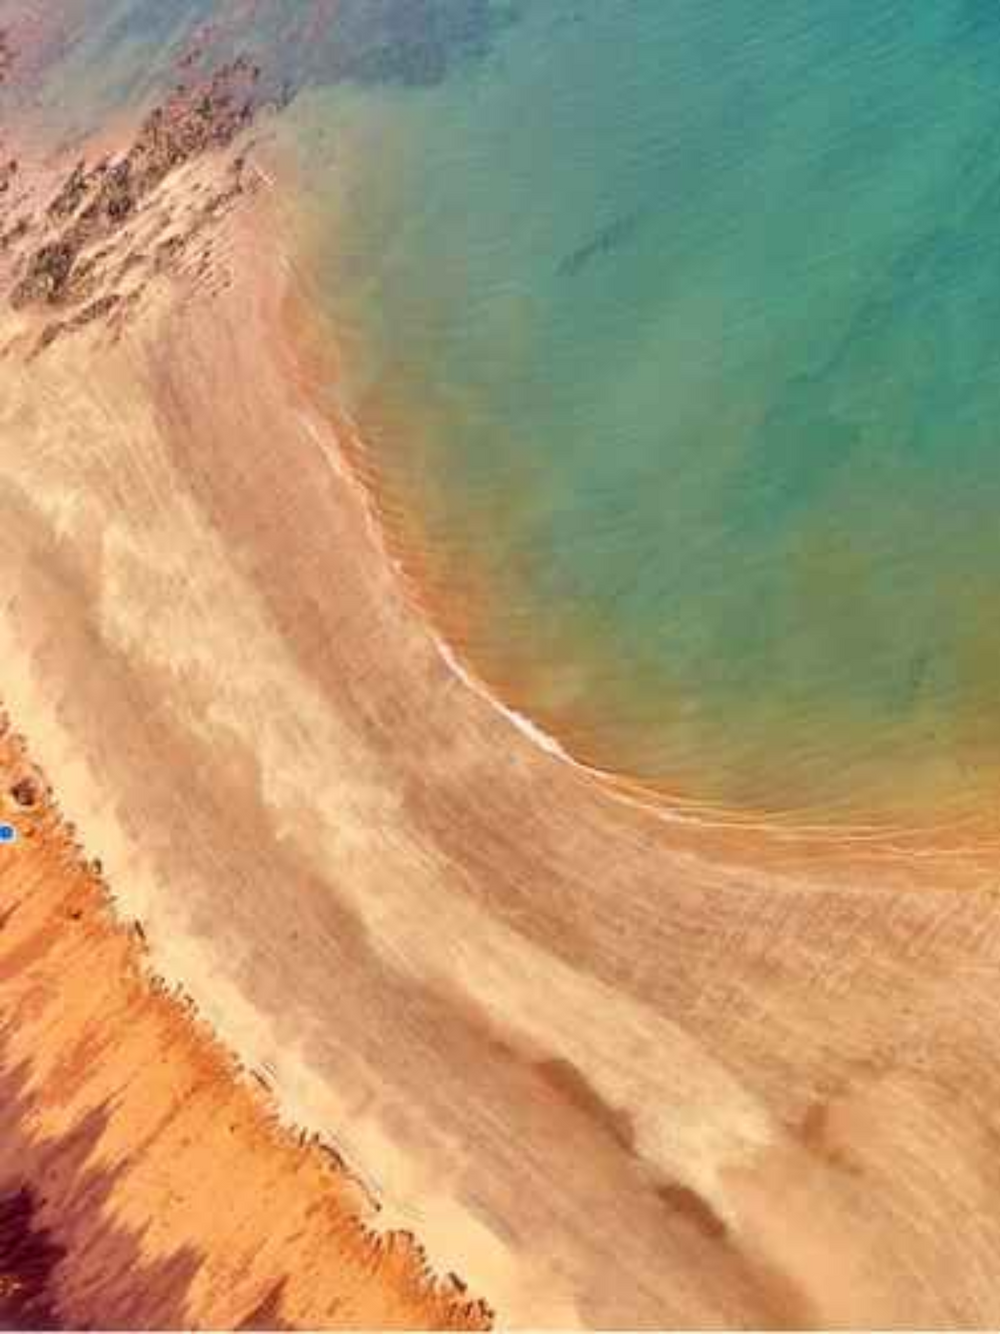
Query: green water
[
  {"x": 674, "y": 324},
  {"x": 672, "y": 327}
]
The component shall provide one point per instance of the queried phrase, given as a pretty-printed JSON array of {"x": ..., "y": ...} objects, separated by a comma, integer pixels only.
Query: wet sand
[{"x": 612, "y": 1069}]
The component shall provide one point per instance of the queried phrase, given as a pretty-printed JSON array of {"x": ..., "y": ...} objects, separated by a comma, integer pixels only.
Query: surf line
[{"x": 888, "y": 840}]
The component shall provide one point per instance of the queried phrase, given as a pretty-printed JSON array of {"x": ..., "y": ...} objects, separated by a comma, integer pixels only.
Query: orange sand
[
  {"x": 611, "y": 1069},
  {"x": 163, "y": 1194}
]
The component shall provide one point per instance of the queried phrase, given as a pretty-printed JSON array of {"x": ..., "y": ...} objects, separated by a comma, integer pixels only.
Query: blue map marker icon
[{"x": 8, "y": 834}]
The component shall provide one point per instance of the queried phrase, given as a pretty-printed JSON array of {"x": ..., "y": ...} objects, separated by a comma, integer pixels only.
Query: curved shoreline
[
  {"x": 972, "y": 833},
  {"x": 629, "y": 789},
  {"x": 617, "y": 1072},
  {"x": 352, "y": 459}
]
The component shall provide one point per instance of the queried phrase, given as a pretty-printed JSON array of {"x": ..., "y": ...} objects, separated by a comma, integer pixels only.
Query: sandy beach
[
  {"x": 144, "y": 1183},
  {"x": 612, "y": 1069}
]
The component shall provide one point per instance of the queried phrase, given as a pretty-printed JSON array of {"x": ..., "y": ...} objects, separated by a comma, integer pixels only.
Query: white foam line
[
  {"x": 521, "y": 721},
  {"x": 611, "y": 781},
  {"x": 697, "y": 816}
]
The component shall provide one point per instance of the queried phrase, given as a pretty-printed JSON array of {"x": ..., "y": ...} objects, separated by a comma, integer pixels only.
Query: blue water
[{"x": 672, "y": 327}]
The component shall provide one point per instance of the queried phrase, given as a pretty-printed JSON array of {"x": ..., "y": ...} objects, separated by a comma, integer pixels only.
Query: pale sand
[
  {"x": 611, "y": 1070},
  {"x": 161, "y": 1192}
]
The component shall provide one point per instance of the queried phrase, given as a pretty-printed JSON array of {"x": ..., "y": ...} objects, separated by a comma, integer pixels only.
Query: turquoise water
[
  {"x": 675, "y": 326},
  {"x": 672, "y": 327}
]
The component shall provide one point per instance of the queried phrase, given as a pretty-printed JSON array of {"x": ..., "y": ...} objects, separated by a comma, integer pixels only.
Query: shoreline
[
  {"x": 902, "y": 815},
  {"x": 352, "y": 460},
  {"x": 971, "y": 831},
  {"x": 610, "y": 1069}
]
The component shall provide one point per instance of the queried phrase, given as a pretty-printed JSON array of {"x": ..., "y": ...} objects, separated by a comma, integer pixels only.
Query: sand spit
[
  {"x": 613, "y": 1071},
  {"x": 141, "y": 1184}
]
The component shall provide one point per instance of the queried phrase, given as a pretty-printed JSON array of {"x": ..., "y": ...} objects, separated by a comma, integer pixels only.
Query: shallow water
[
  {"x": 671, "y": 328},
  {"x": 675, "y": 327}
]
